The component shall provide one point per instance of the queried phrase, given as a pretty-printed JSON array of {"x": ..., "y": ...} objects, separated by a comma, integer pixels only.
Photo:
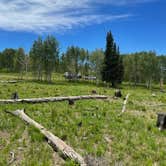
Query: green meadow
[{"x": 104, "y": 135}]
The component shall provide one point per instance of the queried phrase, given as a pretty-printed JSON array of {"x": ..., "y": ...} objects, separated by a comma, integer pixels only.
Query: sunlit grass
[{"x": 91, "y": 127}]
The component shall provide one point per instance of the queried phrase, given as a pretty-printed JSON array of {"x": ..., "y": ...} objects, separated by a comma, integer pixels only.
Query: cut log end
[
  {"x": 125, "y": 102},
  {"x": 161, "y": 121},
  {"x": 118, "y": 93},
  {"x": 71, "y": 102}
]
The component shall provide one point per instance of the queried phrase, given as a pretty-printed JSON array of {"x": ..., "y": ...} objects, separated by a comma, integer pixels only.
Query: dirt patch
[
  {"x": 108, "y": 139},
  {"x": 23, "y": 143},
  {"x": 4, "y": 137},
  {"x": 57, "y": 160},
  {"x": 4, "y": 134}
]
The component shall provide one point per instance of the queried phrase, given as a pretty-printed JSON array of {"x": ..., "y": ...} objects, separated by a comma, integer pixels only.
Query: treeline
[
  {"x": 14, "y": 60},
  {"x": 107, "y": 65},
  {"x": 44, "y": 58},
  {"x": 78, "y": 60},
  {"x": 144, "y": 67}
]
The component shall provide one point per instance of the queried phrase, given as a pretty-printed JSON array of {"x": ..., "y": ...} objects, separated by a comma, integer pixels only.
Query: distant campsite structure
[{"x": 72, "y": 76}]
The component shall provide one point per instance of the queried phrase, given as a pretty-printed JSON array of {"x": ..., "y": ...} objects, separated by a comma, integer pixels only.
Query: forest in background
[{"x": 45, "y": 58}]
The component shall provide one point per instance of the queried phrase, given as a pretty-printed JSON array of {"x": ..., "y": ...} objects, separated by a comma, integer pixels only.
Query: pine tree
[
  {"x": 107, "y": 58},
  {"x": 121, "y": 70},
  {"x": 111, "y": 67}
]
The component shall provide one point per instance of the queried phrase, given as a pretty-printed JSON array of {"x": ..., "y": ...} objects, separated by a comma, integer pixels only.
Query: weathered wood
[
  {"x": 53, "y": 140},
  {"x": 161, "y": 121},
  {"x": 51, "y": 99},
  {"x": 71, "y": 102},
  {"x": 124, "y": 103},
  {"x": 12, "y": 158},
  {"x": 94, "y": 92},
  {"x": 118, "y": 93},
  {"x": 14, "y": 96},
  {"x": 157, "y": 105},
  {"x": 12, "y": 81}
]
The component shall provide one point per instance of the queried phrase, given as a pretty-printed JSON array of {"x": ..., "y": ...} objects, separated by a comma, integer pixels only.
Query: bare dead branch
[
  {"x": 51, "y": 99},
  {"x": 53, "y": 140}
]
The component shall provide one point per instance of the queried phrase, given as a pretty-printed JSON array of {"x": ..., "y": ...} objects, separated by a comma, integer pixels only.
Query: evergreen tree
[
  {"x": 8, "y": 56},
  {"x": 111, "y": 71},
  {"x": 121, "y": 70}
]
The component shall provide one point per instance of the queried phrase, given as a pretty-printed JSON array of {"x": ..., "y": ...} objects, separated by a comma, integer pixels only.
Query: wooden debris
[
  {"x": 12, "y": 158},
  {"x": 14, "y": 96},
  {"x": 161, "y": 121},
  {"x": 157, "y": 105},
  {"x": 71, "y": 102},
  {"x": 118, "y": 93},
  {"x": 53, "y": 140},
  {"x": 51, "y": 99},
  {"x": 12, "y": 81},
  {"x": 124, "y": 103},
  {"x": 94, "y": 92},
  {"x": 79, "y": 124},
  {"x": 153, "y": 95}
]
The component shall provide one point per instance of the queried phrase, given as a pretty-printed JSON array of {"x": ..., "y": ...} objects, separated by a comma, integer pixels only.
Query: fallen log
[
  {"x": 12, "y": 81},
  {"x": 157, "y": 105},
  {"x": 53, "y": 140},
  {"x": 12, "y": 158},
  {"x": 124, "y": 103},
  {"x": 51, "y": 99}
]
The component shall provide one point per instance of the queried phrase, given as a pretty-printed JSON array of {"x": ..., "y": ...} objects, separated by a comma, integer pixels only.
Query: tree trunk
[
  {"x": 161, "y": 84},
  {"x": 125, "y": 102},
  {"x": 53, "y": 140},
  {"x": 51, "y": 99}
]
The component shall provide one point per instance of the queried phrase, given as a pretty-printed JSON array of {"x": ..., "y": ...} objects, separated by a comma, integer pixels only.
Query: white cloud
[{"x": 53, "y": 15}]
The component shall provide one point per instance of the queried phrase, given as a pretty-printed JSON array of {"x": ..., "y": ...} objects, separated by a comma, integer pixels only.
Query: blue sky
[{"x": 136, "y": 24}]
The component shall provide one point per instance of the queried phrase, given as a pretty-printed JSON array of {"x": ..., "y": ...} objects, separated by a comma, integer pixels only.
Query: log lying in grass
[
  {"x": 12, "y": 158},
  {"x": 51, "y": 99},
  {"x": 157, "y": 105},
  {"x": 124, "y": 103},
  {"x": 53, "y": 140},
  {"x": 12, "y": 81}
]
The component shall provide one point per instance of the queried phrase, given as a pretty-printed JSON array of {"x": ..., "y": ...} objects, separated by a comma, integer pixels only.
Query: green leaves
[
  {"x": 113, "y": 67},
  {"x": 44, "y": 56}
]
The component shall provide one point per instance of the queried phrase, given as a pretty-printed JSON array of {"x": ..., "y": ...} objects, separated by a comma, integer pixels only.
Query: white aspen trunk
[{"x": 51, "y": 99}]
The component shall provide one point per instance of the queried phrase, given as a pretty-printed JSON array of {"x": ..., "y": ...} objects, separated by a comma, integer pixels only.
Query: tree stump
[
  {"x": 71, "y": 102},
  {"x": 161, "y": 121},
  {"x": 94, "y": 92},
  {"x": 14, "y": 96},
  {"x": 79, "y": 124},
  {"x": 118, "y": 93}
]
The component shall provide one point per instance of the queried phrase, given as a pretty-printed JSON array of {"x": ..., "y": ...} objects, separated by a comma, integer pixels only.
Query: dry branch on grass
[
  {"x": 12, "y": 81},
  {"x": 157, "y": 105},
  {"x": 53, "y": 140},
  {"x": 51, "y": 99},
  {"x": 12, "y": 158},
  {"x": 125, "y": 102}
]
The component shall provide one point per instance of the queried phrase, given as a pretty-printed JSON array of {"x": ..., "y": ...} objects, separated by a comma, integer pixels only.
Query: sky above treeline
[{"x": 137, "y": 25}]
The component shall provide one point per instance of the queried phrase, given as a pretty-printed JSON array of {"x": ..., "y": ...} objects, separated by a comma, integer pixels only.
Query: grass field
[{"x": 130, "y": 139}]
